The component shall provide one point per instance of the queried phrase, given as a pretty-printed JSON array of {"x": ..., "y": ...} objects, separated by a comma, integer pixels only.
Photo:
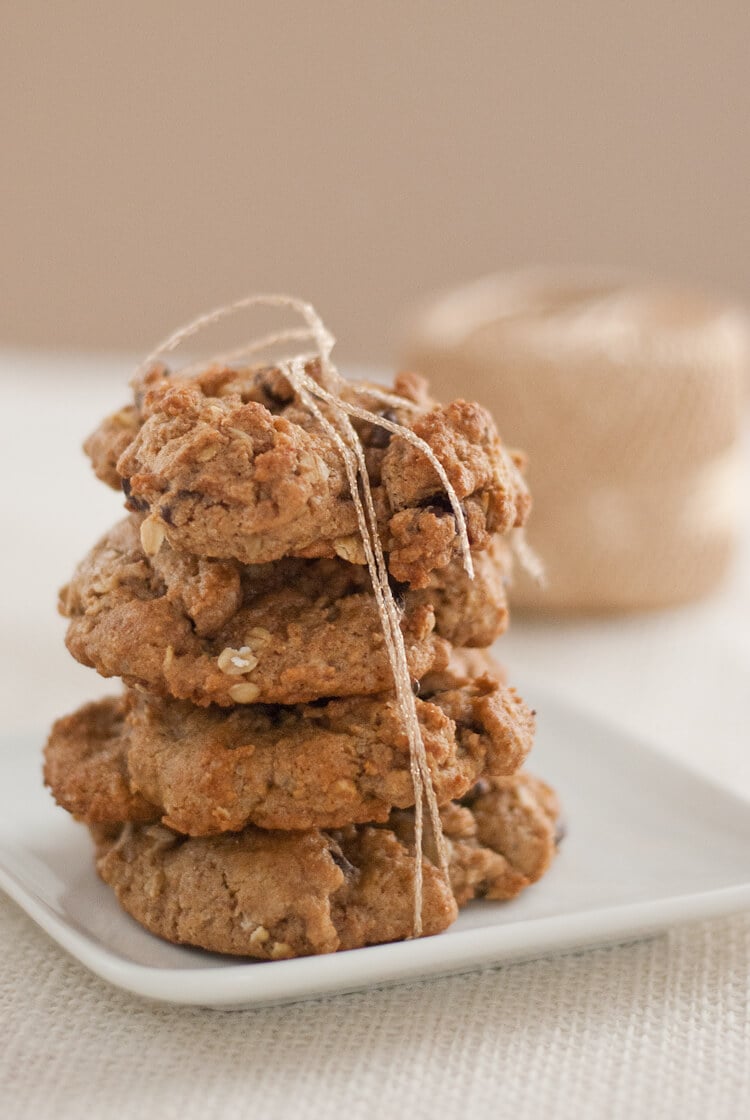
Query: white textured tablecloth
[{"x": 656, "y": 1029}]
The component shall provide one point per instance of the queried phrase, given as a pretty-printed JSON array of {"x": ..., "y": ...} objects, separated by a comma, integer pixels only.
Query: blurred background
[{"x": 165, "y": 157}]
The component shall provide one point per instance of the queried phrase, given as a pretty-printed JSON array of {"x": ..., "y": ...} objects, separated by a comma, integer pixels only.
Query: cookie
[
  {"x": 274, "y": 895},
  {"x": 227, "y": 464},
  {"x": 463, "y": 667},
  {"x": 323, "y": 765},
  {"x": 87, "y": 769},
  {"x": 217, "y": 631}
]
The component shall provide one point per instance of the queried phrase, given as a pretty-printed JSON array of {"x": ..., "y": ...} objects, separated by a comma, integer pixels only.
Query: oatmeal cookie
[
  {"x": 274, "y": 895},
  {"x": 217, "y": 631},
  {"x": 227, "y": 464},
  {"x": 323, "y": 765},
  {"x": 503, "y": 835},
  {"x": 87, "y": 769}
]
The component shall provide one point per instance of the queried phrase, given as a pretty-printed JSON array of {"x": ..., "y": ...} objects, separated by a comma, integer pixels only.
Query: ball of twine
[{"x": 628, "y": 398}]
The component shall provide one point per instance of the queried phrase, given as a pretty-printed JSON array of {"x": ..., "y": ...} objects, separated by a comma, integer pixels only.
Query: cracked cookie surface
[
  {"x": 227, "y": 464},
  {"x": 277, "y": 895},
  {"x": 217, "y": 631},
  {"x": 323, "y": 765}
]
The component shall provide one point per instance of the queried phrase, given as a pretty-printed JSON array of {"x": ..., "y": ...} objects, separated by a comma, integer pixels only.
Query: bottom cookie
[{"x": 273, "y": 895}]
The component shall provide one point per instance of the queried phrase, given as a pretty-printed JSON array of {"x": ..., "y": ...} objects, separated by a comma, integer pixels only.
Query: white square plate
[{"x": 649, "y": 844}]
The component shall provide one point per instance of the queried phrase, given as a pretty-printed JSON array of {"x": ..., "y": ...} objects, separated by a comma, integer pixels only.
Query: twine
[
  {"x": 640, "y": 508},
  {"x": 343, "y": 434}
]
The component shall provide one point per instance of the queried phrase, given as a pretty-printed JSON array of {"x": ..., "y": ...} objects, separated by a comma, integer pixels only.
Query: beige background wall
[{"x": 160, "y": 157}]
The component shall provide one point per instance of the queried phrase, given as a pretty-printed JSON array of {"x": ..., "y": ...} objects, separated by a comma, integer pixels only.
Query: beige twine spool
[
  {"x": 628, "y": 399},
  {"x": 333, "y": 413}
]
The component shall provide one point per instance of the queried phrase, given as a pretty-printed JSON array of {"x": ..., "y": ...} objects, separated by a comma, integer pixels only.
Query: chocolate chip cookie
[
  {"x": 322, "y": 765},
  {"x": 274, "y": 895},
  {"x": 228, "y": 464},
  {"x": 218, "y": 631}
]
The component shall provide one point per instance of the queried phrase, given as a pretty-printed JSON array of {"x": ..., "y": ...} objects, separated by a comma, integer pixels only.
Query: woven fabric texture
[{"x": 659, "y": 1028}]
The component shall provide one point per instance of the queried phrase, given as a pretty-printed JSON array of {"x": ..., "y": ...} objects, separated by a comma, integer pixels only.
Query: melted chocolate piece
[{"x": 381, "y": 437}]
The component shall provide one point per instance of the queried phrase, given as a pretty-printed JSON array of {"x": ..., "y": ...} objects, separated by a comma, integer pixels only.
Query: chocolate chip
[
  {"x": 135, "y": 505},
  {"x": 398, "y": 590},
  {"x": 274, "y": 388},
  {"x": 381, "y": 437},
  {"x": 274, "y": 402},
  {"x": 437, "y": 504},
  {"x": 165, "y": 512},
  {"x": 477, "y": 790}
]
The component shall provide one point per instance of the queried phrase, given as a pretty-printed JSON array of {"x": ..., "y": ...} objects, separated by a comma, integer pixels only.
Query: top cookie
[{"x": 227, "y": 463}]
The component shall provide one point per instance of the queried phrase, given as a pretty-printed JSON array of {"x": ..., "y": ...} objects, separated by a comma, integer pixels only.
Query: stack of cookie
[{"x": 251, "y": 790}]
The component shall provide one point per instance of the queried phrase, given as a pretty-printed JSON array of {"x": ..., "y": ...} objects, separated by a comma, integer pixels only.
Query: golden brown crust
[
  {"x": 508, "y": 839},
  {"x": 311, "y": 766},
  {"x": 86, "y": 769},
  {"x": 276, "y": 895},
  {"x": 464, "y": 438},
  {"x": 109, "y": 441},
  {"x": 229, "y": 466},
  {"x": 308, "y": 628}
]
